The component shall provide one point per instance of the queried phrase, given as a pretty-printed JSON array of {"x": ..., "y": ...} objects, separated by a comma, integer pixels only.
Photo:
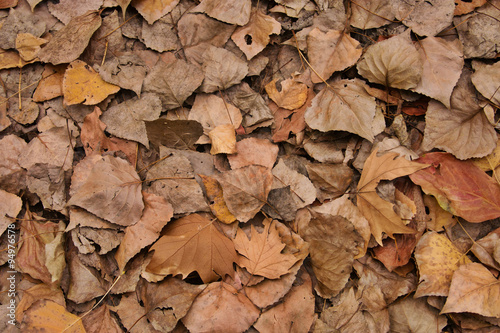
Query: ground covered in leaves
[{"x": 249, "y": 166}]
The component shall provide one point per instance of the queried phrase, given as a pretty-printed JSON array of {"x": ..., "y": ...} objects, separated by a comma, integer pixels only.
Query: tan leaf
[
  {"x": 262, "y": 253},
  {"x": 28, "y": 45},
  {"x": 369, "y": 14},
  {"x": 415, "y": 315},
  {"x": 101, "y": 320},
  {"x": 11, "y": 3},
  {"x": 217, "y": 205},
  {"x": 221, "y": 308},
  {"x": 487, "y": 80},
  {"x": 439, "y": 218},
  {"x": 229, "y": 11},
  {"x": 245, "y": 190},
  {"x": 394, "y": 62},
  {"x": 152, "y": 10},
  {"x": 112, "y": 191},
  {"x": 10, "y": 59},
  {"x": 12, "y": 175},
  {"x": 123, "y": 5},
  {"x": 223, "y": 139},
  {"x": 380, "y": 213},
  {"x": 254, "y": 36},
  {"x": 303, "y": 191},
  {"x": 65, "y": 10},
  {"x": 157, "y": 213},
  {"x": 222, "y": 69},
  {"x": 452, "y": 129},
  {"x": 425, "y": 18},
  {"x": 193, "y": 243},
  {"x": 127, "y": 71},
  {"x": 284, "y": 317},
  {"x": 50, "y": 86},
  {"x": 292, "y": 96},
  {"x": 331, "y": 52},
  {"x": 70, "y": 42},
  {"x": 48, "y": 316},
  {"x": 330, "y": 180},
  {"x": 132, "y": 315},
  {"x": 437, "y": 258},
  {"x": 346, "y": 106},
  {"x": 474, "y": 289},
  {"x": 333, "y": 245},
  {"x": 36, "y": 293},
  {"x": 467, "y": 6},
  {"x": 82, "y": 84},
  {"x": 254, "y": 151},
  {"x": 442, "y": 64},
  {"x": 485, "y": 249},
  {"x": 10, "y": 207}
]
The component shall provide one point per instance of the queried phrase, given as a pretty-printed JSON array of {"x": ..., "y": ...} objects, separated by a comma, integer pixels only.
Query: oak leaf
[
  {"x": 460, "y": 187},
  {"x": 111, "y": 191},
  {"x": 152, "y": 10},
  {"x": 49, "y": 316},
  {"x": 437, "y": 258},
  {"x": 82, "y": 84},
  {"x": 474, "y": 289},
  {"x": 193, "y": 243},
  {"x": 380, "y": 213},
  {"x": 262, "y": 253},
  {"x": 292, "y": 96}
]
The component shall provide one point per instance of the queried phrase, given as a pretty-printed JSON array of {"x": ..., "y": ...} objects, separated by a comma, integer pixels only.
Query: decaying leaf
[
  {"x": 262, "y": 253},
  {"x": 292, "y": 95},
  {"x": 193, "y": 243},
  {"x": 425, "y": 18},
  {"x": 229, "y": 11},
  {"x": 51, "y": 317},
  {"x": 369, "y": 14},
  {"x": 330, "y": 180},
  {"x": 303, "y": 191},
  {"x": 180, "y": 134},
  {"x": 415, "y": 315},
  {"x": 12, "y": 175},
  {"x": 101, "y": 320},
  {"x": 153, "y": 10}
]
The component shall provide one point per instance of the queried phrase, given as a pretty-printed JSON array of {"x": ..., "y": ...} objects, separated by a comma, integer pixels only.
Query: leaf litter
[{"x": 239, "y": 166}]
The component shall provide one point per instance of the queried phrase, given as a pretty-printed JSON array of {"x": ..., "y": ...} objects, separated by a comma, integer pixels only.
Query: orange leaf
[
  {"x": 48, "y": 316},
  {"x": 292, "y": 96},
  {"x": 218, "y": 205}
]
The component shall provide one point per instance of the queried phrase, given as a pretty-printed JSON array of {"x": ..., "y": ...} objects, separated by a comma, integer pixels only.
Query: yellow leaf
[
  {"x": 50, "y": 317},
  {"x": 28, "y": 45},
  {"x": 82, "y": 84},
  {"x": 214, "y": 194}
]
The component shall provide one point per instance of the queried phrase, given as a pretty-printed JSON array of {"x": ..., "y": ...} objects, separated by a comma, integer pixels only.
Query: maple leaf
[
  {"x": 262, "y": 253},
  {"x": 380, "y": 213},
  {"x": 193, "y": 243}
]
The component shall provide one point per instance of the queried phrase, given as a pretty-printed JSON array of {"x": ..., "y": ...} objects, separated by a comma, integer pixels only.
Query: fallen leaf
[
  {"x": 111, "y": 191},
  {"x": 65, "y": 10},
  {"x": 437, "y": 258},
  {"x": 132, "y": 315},
  {"x": 331, "y": 52},
  {"x": 262, "y": 253},
  {"x": 369, "y": 14},
  {"x": 254, "y": 36},
  {"x": 209, "y": 312},
  {"x": 51, "y": 317},
  {"x": 12, "y": 175},
  {"x": 9, "y": 3},
  {"x": 180, "y": 134},
  {"x": 467, "y": 6},
  {"x": 28, "y": 45},
  {"x": 10, "y": 207},
  {"x": 425, "y": 18},
  {"x": 442, "y": 64},
  {"x": 229, "y": 11},
  {"x": 50, "y": 86},
  {"x": 474, "y": 289},
  {"x": 20, "y": 20},
  {"x": 217, "y": 203},
  {"x": 415, "y": 315},
  {"x": 330, "y": 180},
  {"x": 380, "y": 213},
  {"x": 157, "y": 212},
  {"x": 439, "y": 218},
  {"x": 222, "y": 69},
  {"x": 253, "y": 107},
  {"x": 101, "y": 320},
  {"x": 486, "y": 249},
  {"x": 451, "y": 129},
  {"x": 253, "y": 151},
  {"x": 193, "y": 243},
  {"x": 486, "y": 80},
  {"x": 11, "y": 59},
  {"x": 334, "y": 243},
  {"x": 123, "y": 5},
  {"x": 82, "y": 84},
  {"x": 245, "y": 190},
  {"x": 343, "y": 106},
  {"x": 460, "y": 187},
  {"x": 36, "y": 293},
  {"x": 223, "y": 138},
  {"x": 69, "y": 43},
  {"x": 394, "y": 62},
  {"x": 303, "y": 191},
  {"x": 153, "y": 10},
  {"x": 292, "y": 95}
]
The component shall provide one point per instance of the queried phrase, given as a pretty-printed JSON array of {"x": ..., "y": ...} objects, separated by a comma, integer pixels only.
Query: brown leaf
[
  {"x": 303, "y": 191},
  {"x": 378, "y": 212},
  {"x": 460, "y": 187},
  {"x": 157, "y": 212},
  {"x": 369, "y": 14},
  {"x": 451, "y": 129},
  {"x": 12, "y": 175},
  {"x": 48, "y": 316},
  {"x": 331, "y": 180},
  {"x": 36, "y": 293},
  {"x": 153, "y": 10},
  {"x": 486, "y": 249},
  {"x": 331, "y": 52},
  {"x": 127, "y": 71},
  {"x": 217, "y": 203},
  {"x": 132, "y": 315},
  {"x": 28, "y": 45},
  {"x": 425, "y": 18},
  {"x": 100, "y": 320},
  {"x": 20, "y": 20},
  {"x": 486, "y": 80},
  {"x": 50, "y": 86},
  {"x": 474, "y": 289},
  {"x": 180, "y": 134},
  {"x": 467, "y": 6},
  {"x": 70, "y": 42},
  {"x": 393, "y": 62},
  {"x": 253, "y": 151},
  {"x": 344, "y": 106},
  {"x": 123, "y": 5},
  {"x": 254, "y": 36},
  {"x": 229, "y": 11},
  {"x": 9, "y": 3},
  {"x": 245, "y": 190},
  {"x": 10, "y": 207},
  {"x": 112, "y": 191},
  {"x": 65, "y": 10},
  {"x": 223, "y": 138},
  {"x": 193, "y": 243},
  {"x": 221, "y": 308},
  {"x": 222, "y": 69},
  {"x": 292, "y": 95},
  {"x": 82, "y": 84},
  {"x": 262, "y": 253},
  {"x": 415, "y": 315}
]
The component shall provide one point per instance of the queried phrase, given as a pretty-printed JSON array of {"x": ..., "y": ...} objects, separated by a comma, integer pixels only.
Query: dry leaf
[
  {"x": 70, "y": 42},
  {"x": 155, "y": 9},
  {"x": 344, "y": 106},
  {"x": 222, "y": 69},
  {"x": 229, "y": 11},
  {"x": 262, "y": 252},
  {"x": 20, "y": 20},
  {"x": 330, "y": 180},
  {"x": 193, "y": 243},
  {"x": 36, "y": 293},
  {"x": 221, "y": 308},
  {"x": 217, "y": 203},
  {"x": 10, "y": 3},
  {"x": 254, "y": 36},
  {"x": 425, "y": 18},
  {"x": 487, "y": 80},
  {"x": 331, "y": 52},
  {"x": 254, "y": 151},
  {"x": 442, "y": 65},
  {"x": 123, "y": 5},
  {"x": 223, "y": 138},
  {"x": 12, "y": 175},
  {"x": 132, "y": 315},
  {"x": 474, "y": 289},
  {"x": 394, "y": 62},
  {"x": 378, "y": 212},
  {"x": 101, "y": 320},
  {"x": 65, "y": 10},
  {"x": 253, "y": 107},
  {"x": 460, "y": 187},
  {"x": 111, "y": 191},
  {"x": 28, "y": 45},
  {"x": 292, "y": 95},
  {"x": 467, "y": 6},
  {"x": 49, "y": 316},
  {"x": 245, "y": 190},
  {"x": 487, "y": 249},
  {"x": 415, "y": 315},
  {"x": 303, "y": 191},
  {"x": 180, "y": 134},
  {"x": 10, "y": 207},
  {"x": 127, "y": 71},
  {"x": 369, "y": 14},
  {"x": 50, "y": 86},
  {"x": 161, "y": 36}
]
